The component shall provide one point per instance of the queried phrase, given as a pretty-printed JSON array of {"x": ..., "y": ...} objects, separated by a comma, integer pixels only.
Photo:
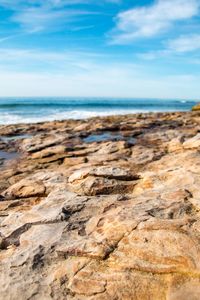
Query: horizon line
[{"x": 102, "y": 97}]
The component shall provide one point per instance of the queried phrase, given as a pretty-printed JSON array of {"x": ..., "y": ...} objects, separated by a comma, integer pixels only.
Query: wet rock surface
[{"x": 104, "y": 208}]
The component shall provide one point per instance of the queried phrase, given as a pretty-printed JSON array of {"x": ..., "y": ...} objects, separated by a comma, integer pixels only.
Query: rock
[
  {"x": 112, "y": 147},
  {"x": 175, "y": 144},
  {"x": 188, "y": 290},
  {"x": 101, "y": 180},
  {"x": 82, "y": 127},
  {"x": 193, "y": 143},
  {"x": 52, "y": 180},
  {"x": 99, "y": 185},
  {"x": 79, "y": 175},
  {"x": 143, "y": 155},
  {"x": 150, "y": 251},
  {"x": 50, "y": 151},
  {"x": 196, "y": 107},
  {"x": 72, "y": 161},
  {"x": 47, "y": 211},
  {"x": 40, "y": 142},
  {"x": 113, "y": 173},
  {"x": 107, "y": 172},
  {"x": 103, "y": 220},
  {"x": 24, "y": 189},
  {"x": 88, "y": 287}
]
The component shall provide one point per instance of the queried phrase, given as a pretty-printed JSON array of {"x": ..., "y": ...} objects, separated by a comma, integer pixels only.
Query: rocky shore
[{"x": 104, "y": 208}]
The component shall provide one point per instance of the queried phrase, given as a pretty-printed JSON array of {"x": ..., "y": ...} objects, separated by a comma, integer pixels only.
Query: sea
[{"x": 32, "y": 110}]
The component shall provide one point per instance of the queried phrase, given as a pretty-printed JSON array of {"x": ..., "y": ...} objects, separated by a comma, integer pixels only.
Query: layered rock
[
  {"x": 196, "y": 107},
  {"x": 102, "y": 180},
  {"x": 106, "y": 219}
]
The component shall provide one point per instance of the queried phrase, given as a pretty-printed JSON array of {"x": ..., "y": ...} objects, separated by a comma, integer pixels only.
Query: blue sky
[{"x": 111, "y": 48}]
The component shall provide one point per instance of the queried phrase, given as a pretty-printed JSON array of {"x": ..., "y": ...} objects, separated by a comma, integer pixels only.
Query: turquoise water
[{"x": 25, "y": 110}]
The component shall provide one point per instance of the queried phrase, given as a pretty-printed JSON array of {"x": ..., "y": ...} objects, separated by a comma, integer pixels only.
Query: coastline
[
  {"x": 36, "y": 109},
  {"x": 101, "y": 207}
]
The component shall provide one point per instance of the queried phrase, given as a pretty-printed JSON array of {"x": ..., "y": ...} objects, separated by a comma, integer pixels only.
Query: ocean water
[{"x": 31, "y": 110}]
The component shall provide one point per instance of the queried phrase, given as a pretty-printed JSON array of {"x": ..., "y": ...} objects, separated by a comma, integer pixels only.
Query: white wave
[{"x": 11, "y": 118}]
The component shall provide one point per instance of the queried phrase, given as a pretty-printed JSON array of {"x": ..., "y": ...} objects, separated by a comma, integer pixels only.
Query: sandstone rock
[
  {"x": 24, "y": 189},
  {"x": 40, "y": 142},
  {"x": 82, "y": 127},
  {"x": 102, "y": 180},
  {"x": 193, "y": 143},
  {"x": 144, "y": 155},
  {"x": 111, "y": 147},
  {"x": 107, "y": 172},
  {"x": 50, "y": 151},
  {"x": 151, "y": 251},
  {"x": 196, "y": 107},
  {"x": 79, "y": 175},
  {"x": 48, "y": 211},
  {"x": 71, "y": 161},
  {"x": 38, "y": 184},
  {"x": 91, "y": 186},
  {"x": 119, "y": 285},
  {"x": 104, "y": 220},
  {"x": 175, "y": 144},
  {"x": 113, "y": 173},
  {"x": 52, "y": 180},
  {"x": 189, "y": 289}
]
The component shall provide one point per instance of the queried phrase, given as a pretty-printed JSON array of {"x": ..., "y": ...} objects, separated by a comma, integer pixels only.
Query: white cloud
[
  {"x": 39, "y": 19},
  {"x": 16, "y": 60},
  {"x": 149, "y": 21},
  {"x": 39, "y": 15},
  {"x": 180, "y": 46},
  {"x": 17, "y": 4},
  {"x": 183, "y": 44},
  {"x": 87, "y": 74}
]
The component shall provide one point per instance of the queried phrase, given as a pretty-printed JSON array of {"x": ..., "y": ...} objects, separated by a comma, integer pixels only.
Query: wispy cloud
[
  {"x": 17, "y": 4},
  {"x": 50, "y": 61},
  {"x": 149, "y": 21},
  {"x": 32, "y": 67},
  {"x": 39, "y": 15},
  {"x": 180, "y": 46},
  {"x": 186, "y": 43},
  {"x": 41, "y": 19}
]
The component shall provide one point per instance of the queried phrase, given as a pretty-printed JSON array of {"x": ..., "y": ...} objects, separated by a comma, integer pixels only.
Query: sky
[{"x": 107, "y": 48}]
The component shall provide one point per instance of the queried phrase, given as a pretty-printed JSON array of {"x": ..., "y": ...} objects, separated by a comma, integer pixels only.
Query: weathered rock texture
[
  {"x": 196, "y": 107},
  {"x": 115, "y": 219}
]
